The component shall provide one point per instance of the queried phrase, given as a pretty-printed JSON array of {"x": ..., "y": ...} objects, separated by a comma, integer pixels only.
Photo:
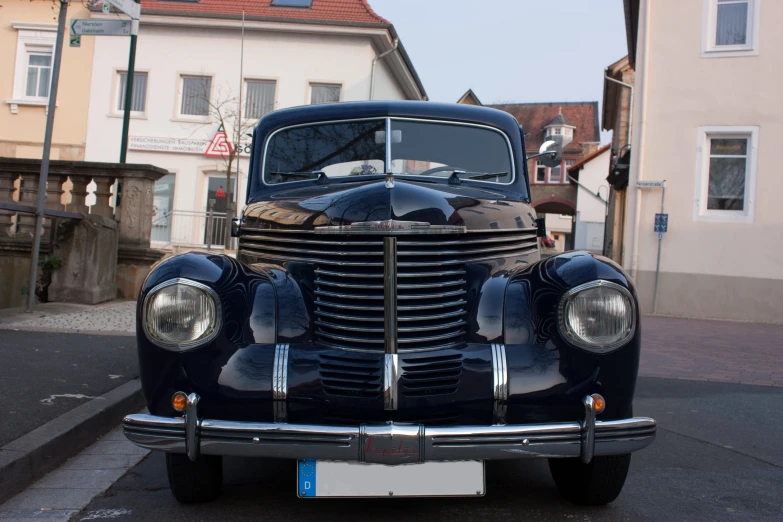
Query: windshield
[{"x": 358, "y": 148}]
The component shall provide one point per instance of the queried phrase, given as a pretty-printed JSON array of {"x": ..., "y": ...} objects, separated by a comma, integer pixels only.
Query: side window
[
  {"x": 731, "y": 28},
  {"x": 568, "y": 164},
  {"x": 555, "y": 174}
]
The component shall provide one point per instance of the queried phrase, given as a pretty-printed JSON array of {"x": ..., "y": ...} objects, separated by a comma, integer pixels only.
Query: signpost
[
  {"x": 103, "y": 27},
  {"x": 133, "y": 9},
  {"x": 660, "y": 226}
]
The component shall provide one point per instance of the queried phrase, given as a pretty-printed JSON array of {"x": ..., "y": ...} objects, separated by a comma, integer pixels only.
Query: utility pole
[{"x": 39, "y": 205}]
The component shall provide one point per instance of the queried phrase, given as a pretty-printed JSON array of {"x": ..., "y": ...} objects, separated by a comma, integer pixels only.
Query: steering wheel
[{"x": 436, "y": 170}]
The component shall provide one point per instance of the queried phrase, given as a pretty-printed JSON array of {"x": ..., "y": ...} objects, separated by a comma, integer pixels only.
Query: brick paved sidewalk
[{"x": 719, "y": 351}]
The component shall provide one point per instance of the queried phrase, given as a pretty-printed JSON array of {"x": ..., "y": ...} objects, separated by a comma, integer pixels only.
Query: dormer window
[{"x": 292, "y": 3}]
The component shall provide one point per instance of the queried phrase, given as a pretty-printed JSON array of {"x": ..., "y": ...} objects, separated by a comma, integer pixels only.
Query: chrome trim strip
[
  {"x": 388, "y": 158},
  {"x": 280, "y": 382},
  {"x": 390, "y": 299},
  {"x": 572, "y": 339},
  {"x": 451, "y": 304},
  {"x": 588, "y": 430},
  {"x": 181, "y": 347},
  {"x": 500, "y": 383},
  {"x": 379, "y": 275},
  {"x": 264, "y": 439},
  {"x": 390, "y": 226},
  {"x": 391, "y": 373},
  {"x": 191, "y": 427},
  {"x": 407, "y": 329},
  {"x": 323, "y": 313}
]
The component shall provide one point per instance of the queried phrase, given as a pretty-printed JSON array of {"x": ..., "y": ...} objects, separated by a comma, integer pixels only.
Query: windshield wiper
[
  {"x": 320, "y": 174},
  {"x": 458, "y": 175}
]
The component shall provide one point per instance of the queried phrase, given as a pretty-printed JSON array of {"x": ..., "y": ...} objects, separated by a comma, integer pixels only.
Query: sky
[{"x": 510, "y": 50}]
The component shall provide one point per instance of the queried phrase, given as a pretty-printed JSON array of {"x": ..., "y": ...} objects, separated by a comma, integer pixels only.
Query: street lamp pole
[{"x": 44, "y": 176}]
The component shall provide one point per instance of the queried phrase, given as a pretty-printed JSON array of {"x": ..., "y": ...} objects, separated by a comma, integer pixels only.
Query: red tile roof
[
  {"x": 346, "y": 11},
  {"x": 535, "y": 116}
]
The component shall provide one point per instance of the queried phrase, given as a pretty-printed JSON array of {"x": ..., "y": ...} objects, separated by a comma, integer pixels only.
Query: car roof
[{"x": 381, "y": 109}]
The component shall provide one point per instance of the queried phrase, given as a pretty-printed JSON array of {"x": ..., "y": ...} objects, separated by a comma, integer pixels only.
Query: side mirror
[{"x": 551, "y": 153}]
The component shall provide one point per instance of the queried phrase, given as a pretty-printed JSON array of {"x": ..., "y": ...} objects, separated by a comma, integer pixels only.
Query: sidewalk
[
  {"x": 715, "y": 351},
  {"x": 111, "y": 318}
]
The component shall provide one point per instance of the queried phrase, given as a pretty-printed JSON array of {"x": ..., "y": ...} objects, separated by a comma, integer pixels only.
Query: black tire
[
  {"x": 594, "y": 484},
  {"x": 194, "y": 482}
]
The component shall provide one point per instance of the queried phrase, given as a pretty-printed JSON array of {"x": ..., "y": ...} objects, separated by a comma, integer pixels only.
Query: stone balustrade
[{"x": 86, "y": 188}]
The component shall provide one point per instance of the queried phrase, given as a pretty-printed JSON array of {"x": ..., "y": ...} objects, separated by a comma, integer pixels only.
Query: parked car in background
[{"x": 388, "y": 321}]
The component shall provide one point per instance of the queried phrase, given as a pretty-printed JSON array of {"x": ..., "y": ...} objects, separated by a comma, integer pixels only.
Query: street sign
[
  {"x": 660, "y": 235},
  {"x": 650, "y": 184},
  {"x": 129, "y": 7},
  {"x": 102, "y": 27},
  {"x": 75, "y": 41},
  {"x": 106, "y": 7},
  {"x": 661, "y": 223}
]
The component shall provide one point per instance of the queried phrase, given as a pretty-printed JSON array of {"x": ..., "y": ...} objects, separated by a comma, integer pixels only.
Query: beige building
[
  {"x": 27, "y": 36},
  {"x": 707, "y": 119}
]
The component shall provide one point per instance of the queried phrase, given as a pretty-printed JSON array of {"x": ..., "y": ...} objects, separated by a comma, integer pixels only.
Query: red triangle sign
[{"x": 219, "y": 146}]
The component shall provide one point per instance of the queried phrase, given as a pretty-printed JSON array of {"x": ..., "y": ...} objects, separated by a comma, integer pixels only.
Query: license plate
[{"x": 328, "y": 478}]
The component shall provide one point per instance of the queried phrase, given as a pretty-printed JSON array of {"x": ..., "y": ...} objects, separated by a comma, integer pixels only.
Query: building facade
[
  {"x": 589, "y": 175},
  {"x": 27, "y": 39},
  {"x": 187, "y": 92},
  {"x": 707, "y": 119}
]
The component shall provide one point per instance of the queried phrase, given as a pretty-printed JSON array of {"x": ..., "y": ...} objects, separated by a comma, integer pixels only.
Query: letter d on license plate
[{"x": 328, "y": 478}]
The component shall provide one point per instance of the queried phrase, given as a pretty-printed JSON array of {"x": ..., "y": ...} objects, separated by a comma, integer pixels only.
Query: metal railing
[{"x": 190, "y": 228}]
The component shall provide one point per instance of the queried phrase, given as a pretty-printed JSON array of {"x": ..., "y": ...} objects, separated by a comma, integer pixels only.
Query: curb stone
[{"x": 31, "y": 456}]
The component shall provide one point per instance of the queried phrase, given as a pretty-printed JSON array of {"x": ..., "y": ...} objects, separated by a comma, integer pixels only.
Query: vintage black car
[{"x": 388, "y": 321}]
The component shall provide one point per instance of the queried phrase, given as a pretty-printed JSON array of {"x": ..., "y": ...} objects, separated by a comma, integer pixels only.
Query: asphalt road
[
  {"x": 43, "y": 375},
  {"x": 718, "y": 456}
]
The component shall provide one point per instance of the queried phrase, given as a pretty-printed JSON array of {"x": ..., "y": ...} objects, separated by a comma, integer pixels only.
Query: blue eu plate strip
[{"x": 306, "y": 481}]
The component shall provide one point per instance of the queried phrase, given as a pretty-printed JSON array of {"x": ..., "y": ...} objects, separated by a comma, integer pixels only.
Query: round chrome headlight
[
  {"x": 598, "y": 316},
  {"x": 181, "y": 314}
]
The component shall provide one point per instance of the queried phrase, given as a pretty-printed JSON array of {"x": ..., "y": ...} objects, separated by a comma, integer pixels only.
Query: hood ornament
[
  {"x": 391, "y": 226},
  {"x": 389, "y": 179}
]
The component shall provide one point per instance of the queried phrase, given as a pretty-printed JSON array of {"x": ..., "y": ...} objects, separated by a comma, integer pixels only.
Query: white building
[
  {"x": 188, "y": 69},
  {"x": 707, "y": 119},
  {"x": 589, "y": 175}
]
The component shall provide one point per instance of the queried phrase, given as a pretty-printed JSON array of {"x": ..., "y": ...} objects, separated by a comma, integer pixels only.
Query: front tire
[
  {"x": 593, "y": 484},
  {"x": 194, "y": 481}
]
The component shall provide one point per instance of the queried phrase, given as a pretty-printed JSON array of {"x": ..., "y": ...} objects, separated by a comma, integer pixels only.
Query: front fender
[
  {"x": 241, "y": 355},
  {"x": 545, "y": 371}
]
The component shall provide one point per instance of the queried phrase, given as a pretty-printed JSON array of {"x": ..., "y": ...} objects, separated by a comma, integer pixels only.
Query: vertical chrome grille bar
[
  {"x": 390, "y": 294},
  {"x": 389, "y": 174},
  {"x": 280, "y": 382},
  {"x": 391, "y": 361}
]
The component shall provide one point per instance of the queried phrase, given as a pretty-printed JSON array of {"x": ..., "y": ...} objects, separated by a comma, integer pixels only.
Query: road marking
[{"x": 50, "y": 400}]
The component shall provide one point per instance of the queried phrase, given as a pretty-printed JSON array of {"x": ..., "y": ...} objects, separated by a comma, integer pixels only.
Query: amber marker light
[
  {"x": 180, "y": 401},
  {"x": 598, "y": 403}
]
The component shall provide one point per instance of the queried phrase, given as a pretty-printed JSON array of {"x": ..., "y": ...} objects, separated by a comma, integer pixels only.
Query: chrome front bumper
[{"x": 389, "y": 443}]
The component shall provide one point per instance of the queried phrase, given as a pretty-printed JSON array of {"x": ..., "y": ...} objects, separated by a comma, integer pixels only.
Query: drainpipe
[{"x": 375, "y": 61}]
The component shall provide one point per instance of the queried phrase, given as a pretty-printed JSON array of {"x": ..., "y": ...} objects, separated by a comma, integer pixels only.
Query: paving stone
[
  {"x": 31, "y": 515},
  {"x": 102, "y": 461},
  {"x": 114, "y": 447}
]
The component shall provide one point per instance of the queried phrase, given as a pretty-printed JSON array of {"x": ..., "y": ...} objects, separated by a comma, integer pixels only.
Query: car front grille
[{"x": 348, "y": 285}]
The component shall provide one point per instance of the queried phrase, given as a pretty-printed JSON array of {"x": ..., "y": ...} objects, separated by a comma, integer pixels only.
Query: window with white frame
[
  {"x": 34, "y": 60},
  {"x": 555, "y": 174},
  {"x": 139, "y": 94},
  {"x": 196, "y": 95},
  {"x": 540, "y": 172},
  {"x": 259, "y": 98},
  {"x": 726, "y": 179},
  {"x": 731, "y": 27},
  {"x": 324, "y": 93},
  {"x": 568, "y": 165}
]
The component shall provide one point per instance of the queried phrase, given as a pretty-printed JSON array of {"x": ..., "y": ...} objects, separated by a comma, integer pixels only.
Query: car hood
[{"x": 306, "y": 208}]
